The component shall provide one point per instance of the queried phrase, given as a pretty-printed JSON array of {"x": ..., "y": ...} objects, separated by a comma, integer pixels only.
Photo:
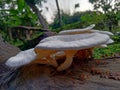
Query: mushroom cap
[
  {"x": 73, "y": 42},
  {"x": 102, "y": 32},
  {"x": 22, "y": 58},
  {"x": 89, "y": 29},
  {"x": 75, "y": 31}
]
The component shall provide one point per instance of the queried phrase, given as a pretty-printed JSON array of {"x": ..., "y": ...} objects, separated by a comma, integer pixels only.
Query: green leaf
[{"x": 21, "y": 4}]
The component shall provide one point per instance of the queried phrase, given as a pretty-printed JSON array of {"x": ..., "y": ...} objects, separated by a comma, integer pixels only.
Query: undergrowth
[{"x": 110, "y": 51}]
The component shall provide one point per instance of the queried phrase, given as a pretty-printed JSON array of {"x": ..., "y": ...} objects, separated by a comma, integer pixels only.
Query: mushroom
[
  {"x": 78, "y": 31},
  {"x": 89, "y": 29},
  {"x": 22, "y": 58},
  {"x": 29, "y": 56},
  {"x": 69, "y": 42}
]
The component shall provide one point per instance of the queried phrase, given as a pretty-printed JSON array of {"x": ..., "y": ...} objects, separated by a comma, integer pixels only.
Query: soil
[{"x": 78, "y": 77}]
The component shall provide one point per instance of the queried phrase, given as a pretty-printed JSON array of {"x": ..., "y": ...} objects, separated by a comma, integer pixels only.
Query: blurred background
[{"x": 23, "y": 22}]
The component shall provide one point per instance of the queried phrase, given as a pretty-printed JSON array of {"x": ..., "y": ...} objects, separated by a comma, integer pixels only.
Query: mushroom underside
[{"x": 66, "y": 57}]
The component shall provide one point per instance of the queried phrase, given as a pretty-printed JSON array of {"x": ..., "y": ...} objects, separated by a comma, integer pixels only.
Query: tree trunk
[
  {"x": 59, "y": 16},
  {"x": 10, "y": 34},
  {"x": 38, "y": 13}
]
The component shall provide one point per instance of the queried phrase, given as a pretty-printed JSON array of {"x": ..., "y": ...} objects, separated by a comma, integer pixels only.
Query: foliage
[
  {"x": 110, "y": 9},
  {"x": 111, "y": 50},
  {"x": 66, "y": 19},
  {"x": 22, "y": 15},
  {"x": 23, "y": 45},
  {"x": 106, "y": 5},
  {"x": 116, "y": 38},
  {"x": 82, "y": 18}
]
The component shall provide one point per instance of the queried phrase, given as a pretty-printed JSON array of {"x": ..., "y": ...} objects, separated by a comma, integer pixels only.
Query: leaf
[
  {"x": 21, "y": 4},
  {"x": 13, "y": 11}
]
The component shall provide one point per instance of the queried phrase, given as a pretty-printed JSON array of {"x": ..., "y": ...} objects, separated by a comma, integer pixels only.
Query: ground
[{"x": 78, "y": 77}]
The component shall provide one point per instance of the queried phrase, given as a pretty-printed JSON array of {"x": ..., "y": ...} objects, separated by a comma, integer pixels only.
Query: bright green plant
[{"x": 111, "y": 50}]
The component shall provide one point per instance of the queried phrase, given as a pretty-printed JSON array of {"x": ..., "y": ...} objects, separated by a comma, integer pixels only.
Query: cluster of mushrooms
[{"x": 66, "y": 43}]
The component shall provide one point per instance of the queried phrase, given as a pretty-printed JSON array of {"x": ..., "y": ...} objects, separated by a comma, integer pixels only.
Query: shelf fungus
[{"x": 64, "y": 45}]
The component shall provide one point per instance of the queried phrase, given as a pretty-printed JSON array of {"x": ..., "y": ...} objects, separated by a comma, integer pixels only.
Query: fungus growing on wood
[
  {"x": 22, "y": 58},
  {"x": 69, "y": 42},
  {"x": 78, "y": 31}
]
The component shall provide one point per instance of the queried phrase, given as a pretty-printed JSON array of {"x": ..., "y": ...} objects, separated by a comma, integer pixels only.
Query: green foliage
[
  {"x": 66, "y": 19},
  {"x": 17, "y": 14},
  {"x": 93, "y": 17},
  {"x": 20, "y": 4},
  {"x": 111, "y": 50},
  {"x": 106, "y": 5},
  {"x": 116, "y": 38},
  {"x": 70, "y": 26},
  {"x": 110, "y": 9}
]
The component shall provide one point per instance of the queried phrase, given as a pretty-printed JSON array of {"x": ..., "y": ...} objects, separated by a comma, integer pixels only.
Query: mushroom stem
[{"x": 68, "y": 61}]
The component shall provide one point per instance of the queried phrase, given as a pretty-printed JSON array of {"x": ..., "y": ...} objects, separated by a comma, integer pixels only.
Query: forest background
[{"x": 24, "y": 21}]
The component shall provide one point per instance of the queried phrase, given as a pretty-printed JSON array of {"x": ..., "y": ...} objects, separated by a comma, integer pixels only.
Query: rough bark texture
[{"x": 7, "y": 50}]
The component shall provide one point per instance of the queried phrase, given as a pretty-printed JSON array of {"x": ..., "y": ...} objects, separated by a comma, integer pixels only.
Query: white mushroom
[
  {"x": 102, "y": 32},
  {"x": 77, "y": 31},
  {"x": 22, "y": 58},
  {"x": 46, "y": 51},
  {"x": 70, "y": 44},
  {"x": 88, "y": 30},
  {"x": 84, "y": 30},
  {"x": 29, "y": 56}
]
